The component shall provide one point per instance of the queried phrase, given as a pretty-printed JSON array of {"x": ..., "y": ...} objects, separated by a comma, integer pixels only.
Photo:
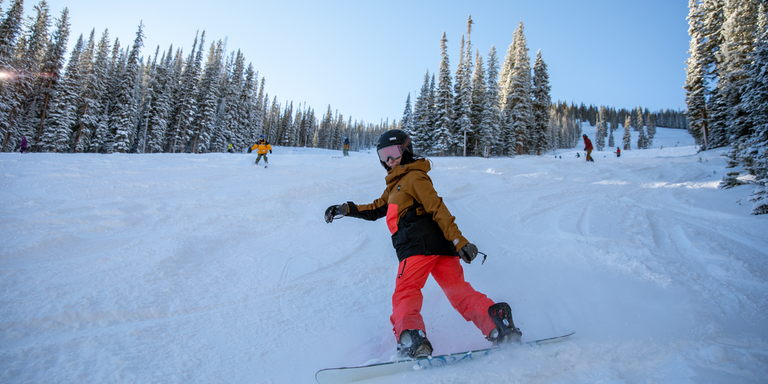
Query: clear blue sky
[{"x": 364, "y": 57}]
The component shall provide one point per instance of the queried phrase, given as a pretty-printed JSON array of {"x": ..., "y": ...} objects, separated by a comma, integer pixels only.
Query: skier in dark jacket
[
  {"x": 588, "y": 147},
  {"x": 427, "y": 241}
]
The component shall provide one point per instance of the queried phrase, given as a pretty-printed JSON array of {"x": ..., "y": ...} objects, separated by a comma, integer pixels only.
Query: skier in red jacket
[{"x": 588, "y": 148}]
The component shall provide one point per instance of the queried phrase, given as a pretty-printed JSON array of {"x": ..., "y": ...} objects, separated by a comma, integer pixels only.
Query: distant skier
[
  {"x": 346, "y": 146},
  {"x": 427, "y": 241},
  {"x": 230, "y": 147},
  {"x": 262, "y": 147},
  {"x": 23, "y": 146},
  {"x": 588, "y": 147},
  {"x": 618, "y": 152}
]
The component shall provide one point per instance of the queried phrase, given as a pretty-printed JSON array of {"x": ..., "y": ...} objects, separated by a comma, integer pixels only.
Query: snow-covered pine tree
[
  {"x": 420, "y": 119},
  {"x": 63, "y": 115},
  {"x": 322, "y": 139},
  {"x": 234, "y": 120},
  {"x": 105, "y": 136},
  {"x": 299, "y": 122},
  {"x": 718, "y": 119},
  {"x": 10, "y": 30},
  {"x": 712, "y": 38},
  {"x": 208, "y": 97},
  {"x": 312, "y": 125},
  {"x": 464, "y": 132},
  {"x": 479, "y": 86},
  {"x": 519, "y": 103},
  {"x": 222, "y": 134},
  {"x": 461, "y": 106},
  {"x": 88, "y": 102},
  {"x": 642, "y": 140},
  {"x": 287, "y": 128},
  {"x": 338, "y": 131},
  {"x": 627, "y": 139},
  {"x": 260, "y": 112},
  {"x": 738, "y": 42},
  {"x": 185, "y": 98},
  {"x": 249, "y": 96},
  {"x": 125, "y": 113},
  {"x": 144, "y": 95},
  {"x": 611, "y": 141},
  {"x": 541, "y": 106},
  {"x": 601, "y": 129},
  {"x": 555, "y": 131},
  {"x": 161, "y": 88},
  {"x": 489, "y": 130},
  {"x": 633, "y": 114},
  {"x": 272, "y": 122},
  {"x": 505, "y": 74},
  {"x": 443, "y": 103},
  {"x": 50, "y": 71},
  {"x": 305, "y": 128},
  {"x": 695, "y": 86},
  {"x": 651, "y": 129},
  {"x": 407, "y": 121},
  {"x": 755, "y": 103},
  {"x": 12, "y": 83},
  {"x": 431, "y": 113},
  {"x": 244, "y": 103}
]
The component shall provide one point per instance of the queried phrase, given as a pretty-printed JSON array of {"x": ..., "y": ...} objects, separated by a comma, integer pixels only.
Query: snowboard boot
[
  {"x": 505, "y": 331},
  {"x": 413, "y": 344}
]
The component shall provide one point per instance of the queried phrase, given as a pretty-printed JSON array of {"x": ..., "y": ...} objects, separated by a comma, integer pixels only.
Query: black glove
[
  {"x": 335, "y": 212},
  {"x": 468, "y": 253},
  {"x": 270, "y": 151}
]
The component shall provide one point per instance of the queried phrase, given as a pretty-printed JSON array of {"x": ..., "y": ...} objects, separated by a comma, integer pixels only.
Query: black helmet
[{"x": 396, "y": 137}]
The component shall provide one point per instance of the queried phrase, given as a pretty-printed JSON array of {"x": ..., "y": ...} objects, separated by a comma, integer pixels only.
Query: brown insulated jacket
[{"x": 418, "y": 219}]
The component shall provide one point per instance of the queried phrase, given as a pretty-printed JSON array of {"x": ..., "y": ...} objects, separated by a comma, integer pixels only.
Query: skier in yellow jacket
[{"x": 262, "y": 147}]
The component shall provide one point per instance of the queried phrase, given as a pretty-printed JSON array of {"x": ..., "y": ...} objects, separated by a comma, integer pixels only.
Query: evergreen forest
[
  {"x": 106, "y": 98},
  {"x": 727, "y": 86}
]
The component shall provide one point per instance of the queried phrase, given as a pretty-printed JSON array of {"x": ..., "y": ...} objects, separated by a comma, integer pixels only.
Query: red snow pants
[{"x": 447, "y": 272}]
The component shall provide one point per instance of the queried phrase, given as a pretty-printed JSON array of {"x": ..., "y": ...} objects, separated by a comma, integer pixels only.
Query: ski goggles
[{"x": 393, "y": 151}]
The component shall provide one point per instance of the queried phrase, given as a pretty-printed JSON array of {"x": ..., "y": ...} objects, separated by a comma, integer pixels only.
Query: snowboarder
[
  {"x": 427, "y": 241},
  {"x": 588, "y": 147},
  {"x": 618, "y": 152},
  {"x": 346, "y": 146},
  {"x": 261, "y": 147}
]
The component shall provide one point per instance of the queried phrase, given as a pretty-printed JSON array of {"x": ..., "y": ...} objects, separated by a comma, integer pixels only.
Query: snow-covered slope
[{"x": 205, "y": 269}]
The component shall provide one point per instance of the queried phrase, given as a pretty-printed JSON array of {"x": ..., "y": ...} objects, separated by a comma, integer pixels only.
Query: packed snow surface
[{"x": 180, "y": 268}]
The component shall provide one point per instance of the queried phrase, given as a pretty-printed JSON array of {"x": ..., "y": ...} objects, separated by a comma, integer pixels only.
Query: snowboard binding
[
  {"x": 505, "y": 331},
  {"x": 413, "y": 344}
]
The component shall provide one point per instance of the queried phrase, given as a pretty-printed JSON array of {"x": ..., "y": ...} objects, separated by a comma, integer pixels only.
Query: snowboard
[{"x": 353, "y": 374}]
